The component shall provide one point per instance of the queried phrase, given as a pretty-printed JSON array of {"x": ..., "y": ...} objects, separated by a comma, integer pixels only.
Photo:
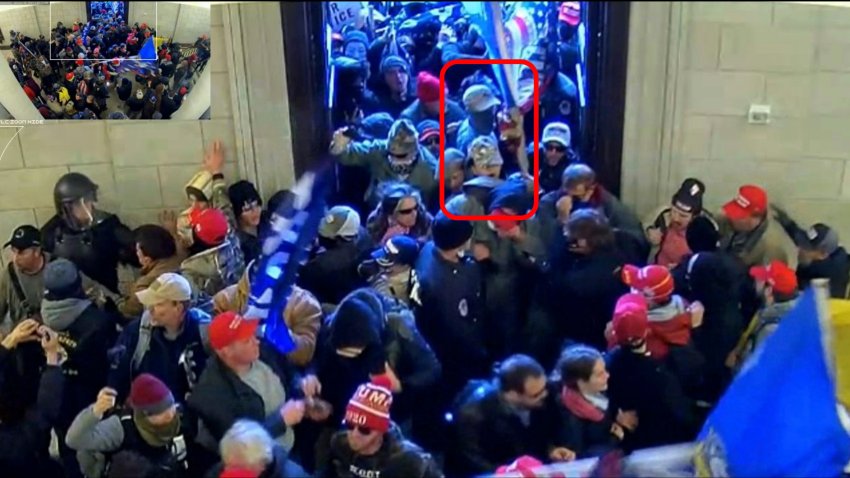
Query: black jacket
[
  {"x": 96, "y": 251},
  {"x": 280, "y": 467},
  {"x": 640, "y": 384},
  {"x": 585, "y": 437},
  {"x": 167, "y": 360},
  {"x": 579, "y": 293},
  {"x": 451, "y": 315},
  {"x": 397, "y": 458},
  {"x": 221, "y": 397},
  {"x": 332, "y": 274},
  {"x": 836, "y": 268},
  {"x": 250, "y": 244},
  {"x": 486, "y": 433},
  {"x": 406, "y": 352},
  {"x": 24, "y": 445},
  {"x": 551, "y": 176},
  {"x": 86, "y": 340}
]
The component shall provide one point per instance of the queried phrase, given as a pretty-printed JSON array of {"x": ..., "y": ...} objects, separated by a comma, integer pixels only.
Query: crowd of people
[
  {"x": 425, "y": 346},
  {"x": 74, "y": 73}
]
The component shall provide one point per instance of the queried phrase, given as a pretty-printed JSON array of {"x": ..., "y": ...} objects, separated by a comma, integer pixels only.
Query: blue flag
[
  {"x": 148, "y": 51},
  {"x": 779, "y": 417},
  {"x": 293, "y": 229}
]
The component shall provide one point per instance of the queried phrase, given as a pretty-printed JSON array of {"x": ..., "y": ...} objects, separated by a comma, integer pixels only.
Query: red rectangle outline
[{"x": 442, "y": 160}]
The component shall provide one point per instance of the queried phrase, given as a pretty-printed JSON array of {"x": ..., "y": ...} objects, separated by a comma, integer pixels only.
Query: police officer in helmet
[{"x": 96, "y": 241}]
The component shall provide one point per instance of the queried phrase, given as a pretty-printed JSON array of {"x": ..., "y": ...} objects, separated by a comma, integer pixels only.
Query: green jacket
[{"x": 373, "y": 155}]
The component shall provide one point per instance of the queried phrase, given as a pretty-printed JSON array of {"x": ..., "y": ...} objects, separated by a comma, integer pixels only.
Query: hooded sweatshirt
[{"x": 86, "y": 333}]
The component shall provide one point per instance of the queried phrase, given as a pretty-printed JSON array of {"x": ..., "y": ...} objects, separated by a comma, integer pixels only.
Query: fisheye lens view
[
  {"x": 106, "y": 60},
  {"x": 425, "y": 239}
]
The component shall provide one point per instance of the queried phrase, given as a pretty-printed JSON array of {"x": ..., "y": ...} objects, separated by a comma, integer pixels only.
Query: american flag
[
  {"x": 527, "y": 24},
  {"x": 292, "y": 230}
]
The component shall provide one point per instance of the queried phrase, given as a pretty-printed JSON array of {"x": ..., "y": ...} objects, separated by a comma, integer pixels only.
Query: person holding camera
[
  {"x": 24, "y": 426},
  {"x": 86, "y": 332},
  {"x": 152, "y": 427}
]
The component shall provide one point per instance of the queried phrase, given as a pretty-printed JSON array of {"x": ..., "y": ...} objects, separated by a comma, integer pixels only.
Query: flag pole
[{"x": 821, "y": 288}]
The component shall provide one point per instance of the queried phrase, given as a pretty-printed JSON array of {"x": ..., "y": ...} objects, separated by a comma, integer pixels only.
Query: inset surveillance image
[{"x": 106, "y": 60}]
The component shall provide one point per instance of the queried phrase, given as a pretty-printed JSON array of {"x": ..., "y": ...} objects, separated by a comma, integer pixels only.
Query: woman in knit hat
[
  {"x": 152, "y": 427},
  {"x": 247, "y": 205}
]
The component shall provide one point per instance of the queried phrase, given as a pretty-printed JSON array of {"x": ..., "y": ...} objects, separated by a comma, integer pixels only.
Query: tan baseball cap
[{"x": 167, "y": 287}]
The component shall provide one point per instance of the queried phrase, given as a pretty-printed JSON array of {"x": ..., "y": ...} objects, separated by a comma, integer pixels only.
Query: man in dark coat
[
  {"x": 369, "y": 335},
  {"x": 579, "y": 287},
  {"x": 331, "y": 271},
  {"x": 450, "y": 314},
  {"x": 497, "y": 422},
  {"x": 244, "y": 380}
]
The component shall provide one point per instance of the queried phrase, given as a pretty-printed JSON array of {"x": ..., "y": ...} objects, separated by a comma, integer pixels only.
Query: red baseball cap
[
  {"x": 229, "y": 327},
  {"x": 631, "y": 321},
  {"x": 750, "y": 201},
  {"x": 654, "y": 282},
  {"x": 779, "y": 276},
  {"x": 570, "y": 13},
  {"x": 500, "y": 224},
  {"x": 238, "y": 473},
  {"x": 210, "y": 226},
  {"x": 524, "y": 466}
]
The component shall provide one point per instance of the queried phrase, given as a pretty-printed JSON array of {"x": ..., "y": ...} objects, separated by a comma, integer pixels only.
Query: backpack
[
  {"x": 144, "y": 341},
  {"x": 175, "y": 466}
]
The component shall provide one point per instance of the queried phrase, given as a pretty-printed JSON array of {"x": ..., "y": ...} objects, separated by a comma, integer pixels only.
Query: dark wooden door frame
[
  {"x": 607, "y": 63},
  {"x": 306, "y": 64}
]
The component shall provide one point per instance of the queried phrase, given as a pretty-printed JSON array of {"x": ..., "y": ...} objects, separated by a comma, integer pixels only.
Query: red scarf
[{"x": 579, "y": 406}]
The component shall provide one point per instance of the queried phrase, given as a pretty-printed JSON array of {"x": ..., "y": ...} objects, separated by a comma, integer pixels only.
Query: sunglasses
[
  {"x": 431, "y": 141},
  {"x": 360, "y": 430},
  {"x": 555, "y": 147},
  {"x": 400, "y": 156},
  {"x": 405, "y": 212}
]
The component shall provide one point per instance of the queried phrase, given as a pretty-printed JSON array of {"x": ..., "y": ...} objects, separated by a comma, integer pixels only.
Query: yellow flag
[{"x": 839, "y": 311}]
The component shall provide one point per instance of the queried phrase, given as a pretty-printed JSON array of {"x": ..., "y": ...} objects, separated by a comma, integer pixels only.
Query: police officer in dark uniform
[
  {"x": 96, "y": 241},
  {"x": 450, "y": 315}
]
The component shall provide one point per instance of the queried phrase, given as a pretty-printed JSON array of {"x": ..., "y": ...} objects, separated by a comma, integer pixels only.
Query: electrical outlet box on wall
[{"x": 759, "y": 114}]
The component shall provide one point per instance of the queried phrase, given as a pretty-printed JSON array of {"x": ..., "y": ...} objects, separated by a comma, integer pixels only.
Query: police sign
[{"x": 341, "y": 14}]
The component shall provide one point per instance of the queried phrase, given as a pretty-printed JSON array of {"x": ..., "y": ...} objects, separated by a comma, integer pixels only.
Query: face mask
[{"x": 402, "y": 167}]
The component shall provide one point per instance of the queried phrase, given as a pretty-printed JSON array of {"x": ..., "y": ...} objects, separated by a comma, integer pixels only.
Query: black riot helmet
[{"x": 71, "y": 190}]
